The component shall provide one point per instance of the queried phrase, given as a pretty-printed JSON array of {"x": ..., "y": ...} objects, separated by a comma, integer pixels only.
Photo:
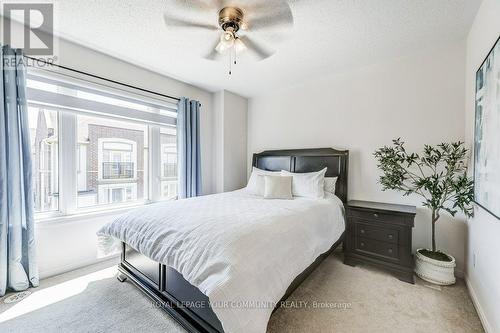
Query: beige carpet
[{"x": 357, "y": 299}]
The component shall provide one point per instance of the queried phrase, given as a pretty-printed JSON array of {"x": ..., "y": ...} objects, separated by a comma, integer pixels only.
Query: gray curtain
[
  {"x": 188, "y": 147},
  {"x": 17, "y": 241}
]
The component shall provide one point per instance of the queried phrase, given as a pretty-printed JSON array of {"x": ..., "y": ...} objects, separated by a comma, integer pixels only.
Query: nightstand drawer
[
  {"x": 375, "y": 216},
  {"x": 376, "y": 248},
  {"x": 376, "y": 232}
]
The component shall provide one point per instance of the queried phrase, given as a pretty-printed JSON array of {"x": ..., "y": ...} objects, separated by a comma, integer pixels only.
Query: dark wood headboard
[{"x": 308, "y": 160}]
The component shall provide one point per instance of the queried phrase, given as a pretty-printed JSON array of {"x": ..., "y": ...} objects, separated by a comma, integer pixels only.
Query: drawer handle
[
  {"x": 362, "y": 244},
  {"x": 375, "y": 215},
  {"x": 390, "y": 236},
  {"x": 389, "y": 250},
  {"x": 362, "y": 231}
]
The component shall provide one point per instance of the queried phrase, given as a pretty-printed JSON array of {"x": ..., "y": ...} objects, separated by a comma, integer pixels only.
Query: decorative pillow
[
  {"x": 256, "y": 182},
  {"x": 308, "y": 184},
  {"x": 330, "y": 183},
  {"x": 278, "y": 187}
]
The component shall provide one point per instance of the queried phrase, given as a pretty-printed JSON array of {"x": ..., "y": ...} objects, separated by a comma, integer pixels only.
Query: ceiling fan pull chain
[
  {"x": 230, "y": 61},
  {"x": 234, "y": 50}
]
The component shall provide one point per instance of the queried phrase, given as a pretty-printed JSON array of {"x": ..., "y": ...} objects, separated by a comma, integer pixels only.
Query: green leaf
[{"x": 439, "y": 174}]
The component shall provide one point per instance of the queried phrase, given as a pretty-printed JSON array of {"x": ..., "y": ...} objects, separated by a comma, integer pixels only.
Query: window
[{"x": 98, "y": 147}]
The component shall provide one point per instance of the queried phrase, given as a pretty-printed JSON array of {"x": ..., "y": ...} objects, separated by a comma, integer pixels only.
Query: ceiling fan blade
[
  {"x": 267, "y": 21},
  {"x": 201, "y": 5},
  {"x": 180, "y": 23},
  {"x": 219, "y": 4},
  {"x": 258, "y": 50},
  {"x": 195, "y": 4}
]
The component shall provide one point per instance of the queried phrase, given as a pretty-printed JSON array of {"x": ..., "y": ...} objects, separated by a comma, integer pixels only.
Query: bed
[{"x": 220, "y": 263}]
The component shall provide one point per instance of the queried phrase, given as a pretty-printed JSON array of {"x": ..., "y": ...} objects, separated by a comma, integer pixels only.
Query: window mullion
[
  {"x": 67, "y": 164},
  {"x": 154, "y": 163}
]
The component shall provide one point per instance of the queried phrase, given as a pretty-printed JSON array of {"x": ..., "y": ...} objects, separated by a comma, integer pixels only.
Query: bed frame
[{"x": 186, "y": 303}]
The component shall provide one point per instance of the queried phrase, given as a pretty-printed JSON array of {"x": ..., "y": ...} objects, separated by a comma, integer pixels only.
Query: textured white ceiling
[{"x": 327, "y": 35}]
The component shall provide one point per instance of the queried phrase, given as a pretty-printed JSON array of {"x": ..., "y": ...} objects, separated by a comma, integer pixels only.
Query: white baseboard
[
  {"x": 73, "y": 266},
  {"x": 477, "y": 305}
]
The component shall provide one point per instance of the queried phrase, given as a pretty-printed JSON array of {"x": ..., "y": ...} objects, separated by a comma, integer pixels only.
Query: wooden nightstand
[{"x": 380, "y": 234}]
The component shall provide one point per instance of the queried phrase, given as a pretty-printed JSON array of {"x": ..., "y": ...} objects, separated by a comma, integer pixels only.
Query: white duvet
[{"x": 240, "y": 250}]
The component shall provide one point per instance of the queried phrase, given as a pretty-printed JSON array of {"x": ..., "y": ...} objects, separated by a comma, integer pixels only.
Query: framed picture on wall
[{"x": 487, "y": 133}]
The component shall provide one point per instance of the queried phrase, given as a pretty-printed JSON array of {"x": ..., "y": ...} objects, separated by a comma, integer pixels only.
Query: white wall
[
  {"x": 230, "y": 141},
  {"x": 64, "y": 245},
  {"x": 483, "y": 272},
  {"x": 72, "y": 243},
  {"x": 418, "y": 98},
  {"x": 235, "y": 141}
]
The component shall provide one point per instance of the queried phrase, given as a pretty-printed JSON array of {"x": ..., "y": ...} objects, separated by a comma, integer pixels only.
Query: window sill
[{"x": 86, "y": 214}]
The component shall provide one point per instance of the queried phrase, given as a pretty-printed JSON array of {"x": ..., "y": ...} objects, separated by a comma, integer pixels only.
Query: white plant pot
[{"x": 435, "y": 271}]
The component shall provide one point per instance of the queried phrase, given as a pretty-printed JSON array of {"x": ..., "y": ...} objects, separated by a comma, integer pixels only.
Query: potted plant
[{"x": 439, "y": 176}]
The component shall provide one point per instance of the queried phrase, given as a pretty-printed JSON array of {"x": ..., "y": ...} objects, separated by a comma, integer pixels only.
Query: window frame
[
  {"x": 41, "y": 163},
  {"x": 68, "y": 142}
]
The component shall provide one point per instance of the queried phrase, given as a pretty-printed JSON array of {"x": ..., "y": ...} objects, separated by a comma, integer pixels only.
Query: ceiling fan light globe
[
  {"x": 222, "y": 47},
  {"x": 239, "y": 46},
  {"x": 226, "y": 41},
  {"x": 227, "y": 36}
]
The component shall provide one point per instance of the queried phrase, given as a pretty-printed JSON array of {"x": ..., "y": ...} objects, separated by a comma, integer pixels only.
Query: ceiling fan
[{"x": 238, "y": 26}]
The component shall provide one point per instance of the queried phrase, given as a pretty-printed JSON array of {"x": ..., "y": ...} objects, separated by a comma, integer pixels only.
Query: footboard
[{"x": 170, "y": 291}]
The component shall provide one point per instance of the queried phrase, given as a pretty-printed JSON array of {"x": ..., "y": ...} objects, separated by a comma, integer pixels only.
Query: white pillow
[
  {"x": 308, "y": 184},
  {"x": 256, "y": 182},
  {"x": 330, "y": 183},
  {"x": 277, "y": 187}
]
